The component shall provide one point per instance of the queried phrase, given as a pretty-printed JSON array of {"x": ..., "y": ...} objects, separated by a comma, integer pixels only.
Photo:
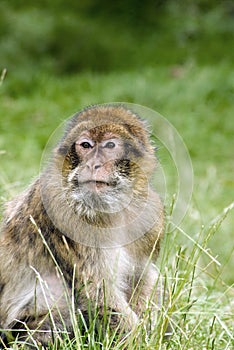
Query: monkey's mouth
[{"x": 94, "y": 184}]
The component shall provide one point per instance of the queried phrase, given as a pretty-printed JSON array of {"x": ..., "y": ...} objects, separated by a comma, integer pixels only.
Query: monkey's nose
[{"x": 93, "y": 164}]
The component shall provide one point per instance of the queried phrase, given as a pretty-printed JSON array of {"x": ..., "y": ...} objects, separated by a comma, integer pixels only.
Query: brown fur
[{"x": 92, "y": 248}]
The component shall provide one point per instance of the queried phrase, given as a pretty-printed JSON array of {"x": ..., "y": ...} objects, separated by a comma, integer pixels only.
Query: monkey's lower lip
[{"x": 96, "y": 184}]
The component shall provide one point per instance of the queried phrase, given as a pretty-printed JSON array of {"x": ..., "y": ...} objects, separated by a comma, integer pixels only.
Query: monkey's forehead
[
  {"x": 99, "y": 120},
  {"x": 98, "y": 135},
  {"x": 100, "y": 132}
]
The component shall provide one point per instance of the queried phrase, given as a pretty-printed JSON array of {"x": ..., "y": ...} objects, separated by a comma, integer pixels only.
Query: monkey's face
[
  {"x": 101, "y": 176},
  {"x": 98, "y": 157},
  {"x": 106, "y": 160}
]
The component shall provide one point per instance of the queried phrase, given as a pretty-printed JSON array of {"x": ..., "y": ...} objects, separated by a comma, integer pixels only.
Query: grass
[
  {"x": 200, "y": 307},
  {"x": 198, "y": 256}
]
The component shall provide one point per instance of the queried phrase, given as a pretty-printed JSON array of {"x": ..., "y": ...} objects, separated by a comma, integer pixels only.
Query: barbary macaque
[{"x": 86, "y": 232}]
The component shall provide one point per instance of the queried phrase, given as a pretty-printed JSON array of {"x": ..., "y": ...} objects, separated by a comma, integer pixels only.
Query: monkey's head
[{"x": 105, "y": 158}]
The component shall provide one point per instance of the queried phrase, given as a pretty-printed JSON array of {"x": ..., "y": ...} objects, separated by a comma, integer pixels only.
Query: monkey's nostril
[{"x": 97, "y": 167}]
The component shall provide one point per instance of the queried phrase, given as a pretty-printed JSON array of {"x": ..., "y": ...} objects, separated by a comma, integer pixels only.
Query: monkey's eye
[
  {"x": 86, "y": 144},
  {"x": 109, "y": 144}
]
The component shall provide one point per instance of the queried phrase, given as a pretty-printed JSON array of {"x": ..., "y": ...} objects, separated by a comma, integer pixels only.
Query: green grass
[
  {"x": 197, "y": 259},
  {"x": 200, "y": 307}
]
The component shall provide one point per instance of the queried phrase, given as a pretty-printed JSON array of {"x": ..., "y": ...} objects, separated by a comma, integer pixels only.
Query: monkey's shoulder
[{"x": 17, "y": 217}]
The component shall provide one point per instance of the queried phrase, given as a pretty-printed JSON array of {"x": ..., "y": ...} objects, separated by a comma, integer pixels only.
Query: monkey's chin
[{"x": 94, "y": 197}]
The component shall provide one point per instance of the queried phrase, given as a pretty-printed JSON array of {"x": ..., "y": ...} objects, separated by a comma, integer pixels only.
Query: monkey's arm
[{"x": 29, "y": 285}]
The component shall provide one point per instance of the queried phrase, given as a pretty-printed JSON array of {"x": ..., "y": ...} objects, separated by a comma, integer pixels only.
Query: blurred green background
[{"x": 175, "y": 57}]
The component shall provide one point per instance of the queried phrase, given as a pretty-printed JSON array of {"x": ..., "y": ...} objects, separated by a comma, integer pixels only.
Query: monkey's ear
[
  {"x": 131, "y": 150},
  {"x": 62, "y": 149}
]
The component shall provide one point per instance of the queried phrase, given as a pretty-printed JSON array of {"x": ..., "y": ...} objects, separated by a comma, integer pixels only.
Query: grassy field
[{"x": 197, "y": 258}]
